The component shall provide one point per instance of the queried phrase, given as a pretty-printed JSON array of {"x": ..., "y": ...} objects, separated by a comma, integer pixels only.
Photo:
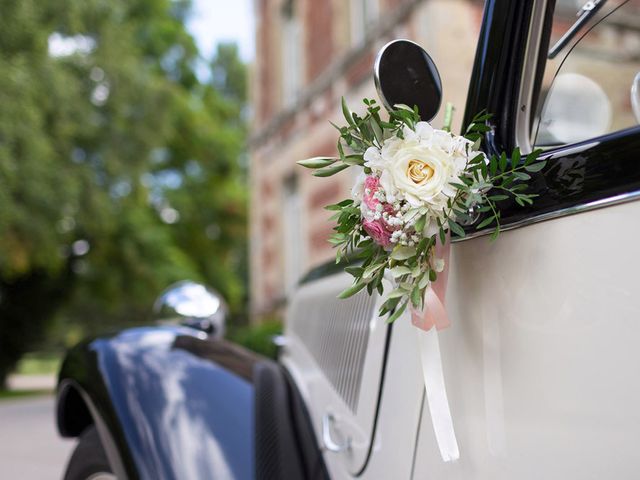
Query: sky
[{"x": 214, "y": 21}]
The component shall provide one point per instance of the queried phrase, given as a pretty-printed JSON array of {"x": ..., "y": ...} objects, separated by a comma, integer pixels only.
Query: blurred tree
[{"x": 120, "y": 168}]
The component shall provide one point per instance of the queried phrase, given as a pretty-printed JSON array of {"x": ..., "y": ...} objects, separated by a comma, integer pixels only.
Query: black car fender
[{"x": 170, "y": 403}]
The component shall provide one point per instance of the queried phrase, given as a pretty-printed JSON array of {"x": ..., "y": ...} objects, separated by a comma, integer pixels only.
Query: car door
[
  {"x": 541, "y": 362},
  {"x": 335, "y": 351}
]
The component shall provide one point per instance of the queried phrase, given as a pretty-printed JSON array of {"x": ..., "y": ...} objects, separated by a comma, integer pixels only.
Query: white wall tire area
[{"x": 89, "y": 460}]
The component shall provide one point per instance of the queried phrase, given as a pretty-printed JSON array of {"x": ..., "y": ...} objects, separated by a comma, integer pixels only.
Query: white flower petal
[{"x": 358, "y": 188}]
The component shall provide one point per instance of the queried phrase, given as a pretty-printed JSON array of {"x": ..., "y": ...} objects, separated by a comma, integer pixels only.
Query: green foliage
[
  {"x": 482, "y": 184},
  {"x": 258, "y": 338},
  {"x": 39, "y": 364},
  {"x": 119, "y": 145}
]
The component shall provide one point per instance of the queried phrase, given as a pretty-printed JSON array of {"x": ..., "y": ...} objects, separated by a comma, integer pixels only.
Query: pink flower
[
  {"x": 378, "y": 231},
  {"x": 371, "y": 186}
]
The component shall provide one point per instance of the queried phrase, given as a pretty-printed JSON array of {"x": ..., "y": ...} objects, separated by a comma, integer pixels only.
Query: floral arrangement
[{"x": 417, "y": 186}]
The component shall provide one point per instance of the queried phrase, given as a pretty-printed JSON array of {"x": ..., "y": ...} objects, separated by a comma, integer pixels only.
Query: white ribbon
[{"x": 437, "y": 394}]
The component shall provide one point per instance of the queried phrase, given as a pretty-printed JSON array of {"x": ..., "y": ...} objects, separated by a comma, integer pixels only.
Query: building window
[
  {"x": 292, "y": 79},
  {"x": 293, "y": 235},
  {"x": 363, "y": 15}
]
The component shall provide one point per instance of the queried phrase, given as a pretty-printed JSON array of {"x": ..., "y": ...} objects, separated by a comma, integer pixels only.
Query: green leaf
[
  {"x": 397, "y": 313},
  {"x": 352, "y": 290},
  {"x": 420, "y": 223},
  {"x": 486, "y": 222},
  {"x": 327, "y": 172},
  {"x": 354, "y": 159},
  {"x": 347, "y": 113},
  {"x": 341, "y": 204},
  {"x": 399, "y": 271},
  {"x": 389, "y": 305},
  {"x": 536, "y": 167},
  {"x": 371, "y": 270},
  {"x": 502, "y": 163},
  {"x": 355, "y": 271},
  {"x": 495, "y": 233},
  {"x": 317, "y": 162},
  {"x": 521, "y": 176},
  {"x": 400, "y": 252},
  {"x": 448, "y": 117},
  {"x": 482, "y": 116},
  {"x": 498, "y": 198},
  {"x": 433, "y": 275},
  {"x": 340, "y": 150},
  {"x": 455, "y": 228},
  {"x": 402, "y": 108},
  {"x": 532, "y": 157},
  {"x": 515, "y": 157},
  {"x": 377, "y": 131},
  {"x": 477, "y": 160},
  {"x": 416, "y": 297},
  {"x": 397, "y": 293},
  {"x": 481, "y": 128},
  {"x": 483, "y": 167}
]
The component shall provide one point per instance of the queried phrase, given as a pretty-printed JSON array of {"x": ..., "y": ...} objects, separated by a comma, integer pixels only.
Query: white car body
[{"x": 540, "y": 363}]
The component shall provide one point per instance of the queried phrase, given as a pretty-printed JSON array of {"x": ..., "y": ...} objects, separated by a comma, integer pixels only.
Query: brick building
[{"x": 309, "y": 53}]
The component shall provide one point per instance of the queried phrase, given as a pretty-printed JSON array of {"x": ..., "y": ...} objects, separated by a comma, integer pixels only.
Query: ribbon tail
[
  {"x": 437, "y": 394},
  {"x": 434, "y": 313}
]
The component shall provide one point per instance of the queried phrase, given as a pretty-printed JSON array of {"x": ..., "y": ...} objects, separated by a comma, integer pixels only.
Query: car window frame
[
  {"x": 505, "y": 81},
  {"x": 535, "y": 59}
]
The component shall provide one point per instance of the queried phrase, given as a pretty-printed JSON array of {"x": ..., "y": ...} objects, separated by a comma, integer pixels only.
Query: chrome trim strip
[
  {"x": 604, "y": 202},
  {"x": 532, "y": 51},
  {"x": 567, "y": 150}
]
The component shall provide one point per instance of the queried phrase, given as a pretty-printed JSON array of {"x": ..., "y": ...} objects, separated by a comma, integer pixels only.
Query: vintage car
[{"x": 540, "y": 360}]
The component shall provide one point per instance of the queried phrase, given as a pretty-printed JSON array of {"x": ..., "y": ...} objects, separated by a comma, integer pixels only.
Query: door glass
[{"x": 588, "y": 87}]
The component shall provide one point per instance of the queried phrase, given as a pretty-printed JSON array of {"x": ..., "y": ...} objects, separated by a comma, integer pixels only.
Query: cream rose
[
  {"x": 422, "y": 174},
  {"x": 420, "y": 166}
]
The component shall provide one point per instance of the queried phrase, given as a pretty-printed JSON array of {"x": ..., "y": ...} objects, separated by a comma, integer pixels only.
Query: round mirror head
[
  {"x": 405, "y": 74},
  {"x": 190, "y": 303}
]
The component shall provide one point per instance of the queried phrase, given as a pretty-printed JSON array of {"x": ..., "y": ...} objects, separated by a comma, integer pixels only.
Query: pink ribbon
[{"x": 433, "y": 313}]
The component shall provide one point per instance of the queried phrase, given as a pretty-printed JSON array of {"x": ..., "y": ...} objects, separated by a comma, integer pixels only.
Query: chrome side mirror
[
  {"x": 405, "y": 74},
  {"x": 192, "y": 304}
]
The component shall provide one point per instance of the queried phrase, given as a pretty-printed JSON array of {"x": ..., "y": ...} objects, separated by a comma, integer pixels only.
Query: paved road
[{"x": 30, "y": 448}]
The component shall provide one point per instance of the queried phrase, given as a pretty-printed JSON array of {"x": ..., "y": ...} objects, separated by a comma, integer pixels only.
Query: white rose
[{"x": 422, "y": 172}]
